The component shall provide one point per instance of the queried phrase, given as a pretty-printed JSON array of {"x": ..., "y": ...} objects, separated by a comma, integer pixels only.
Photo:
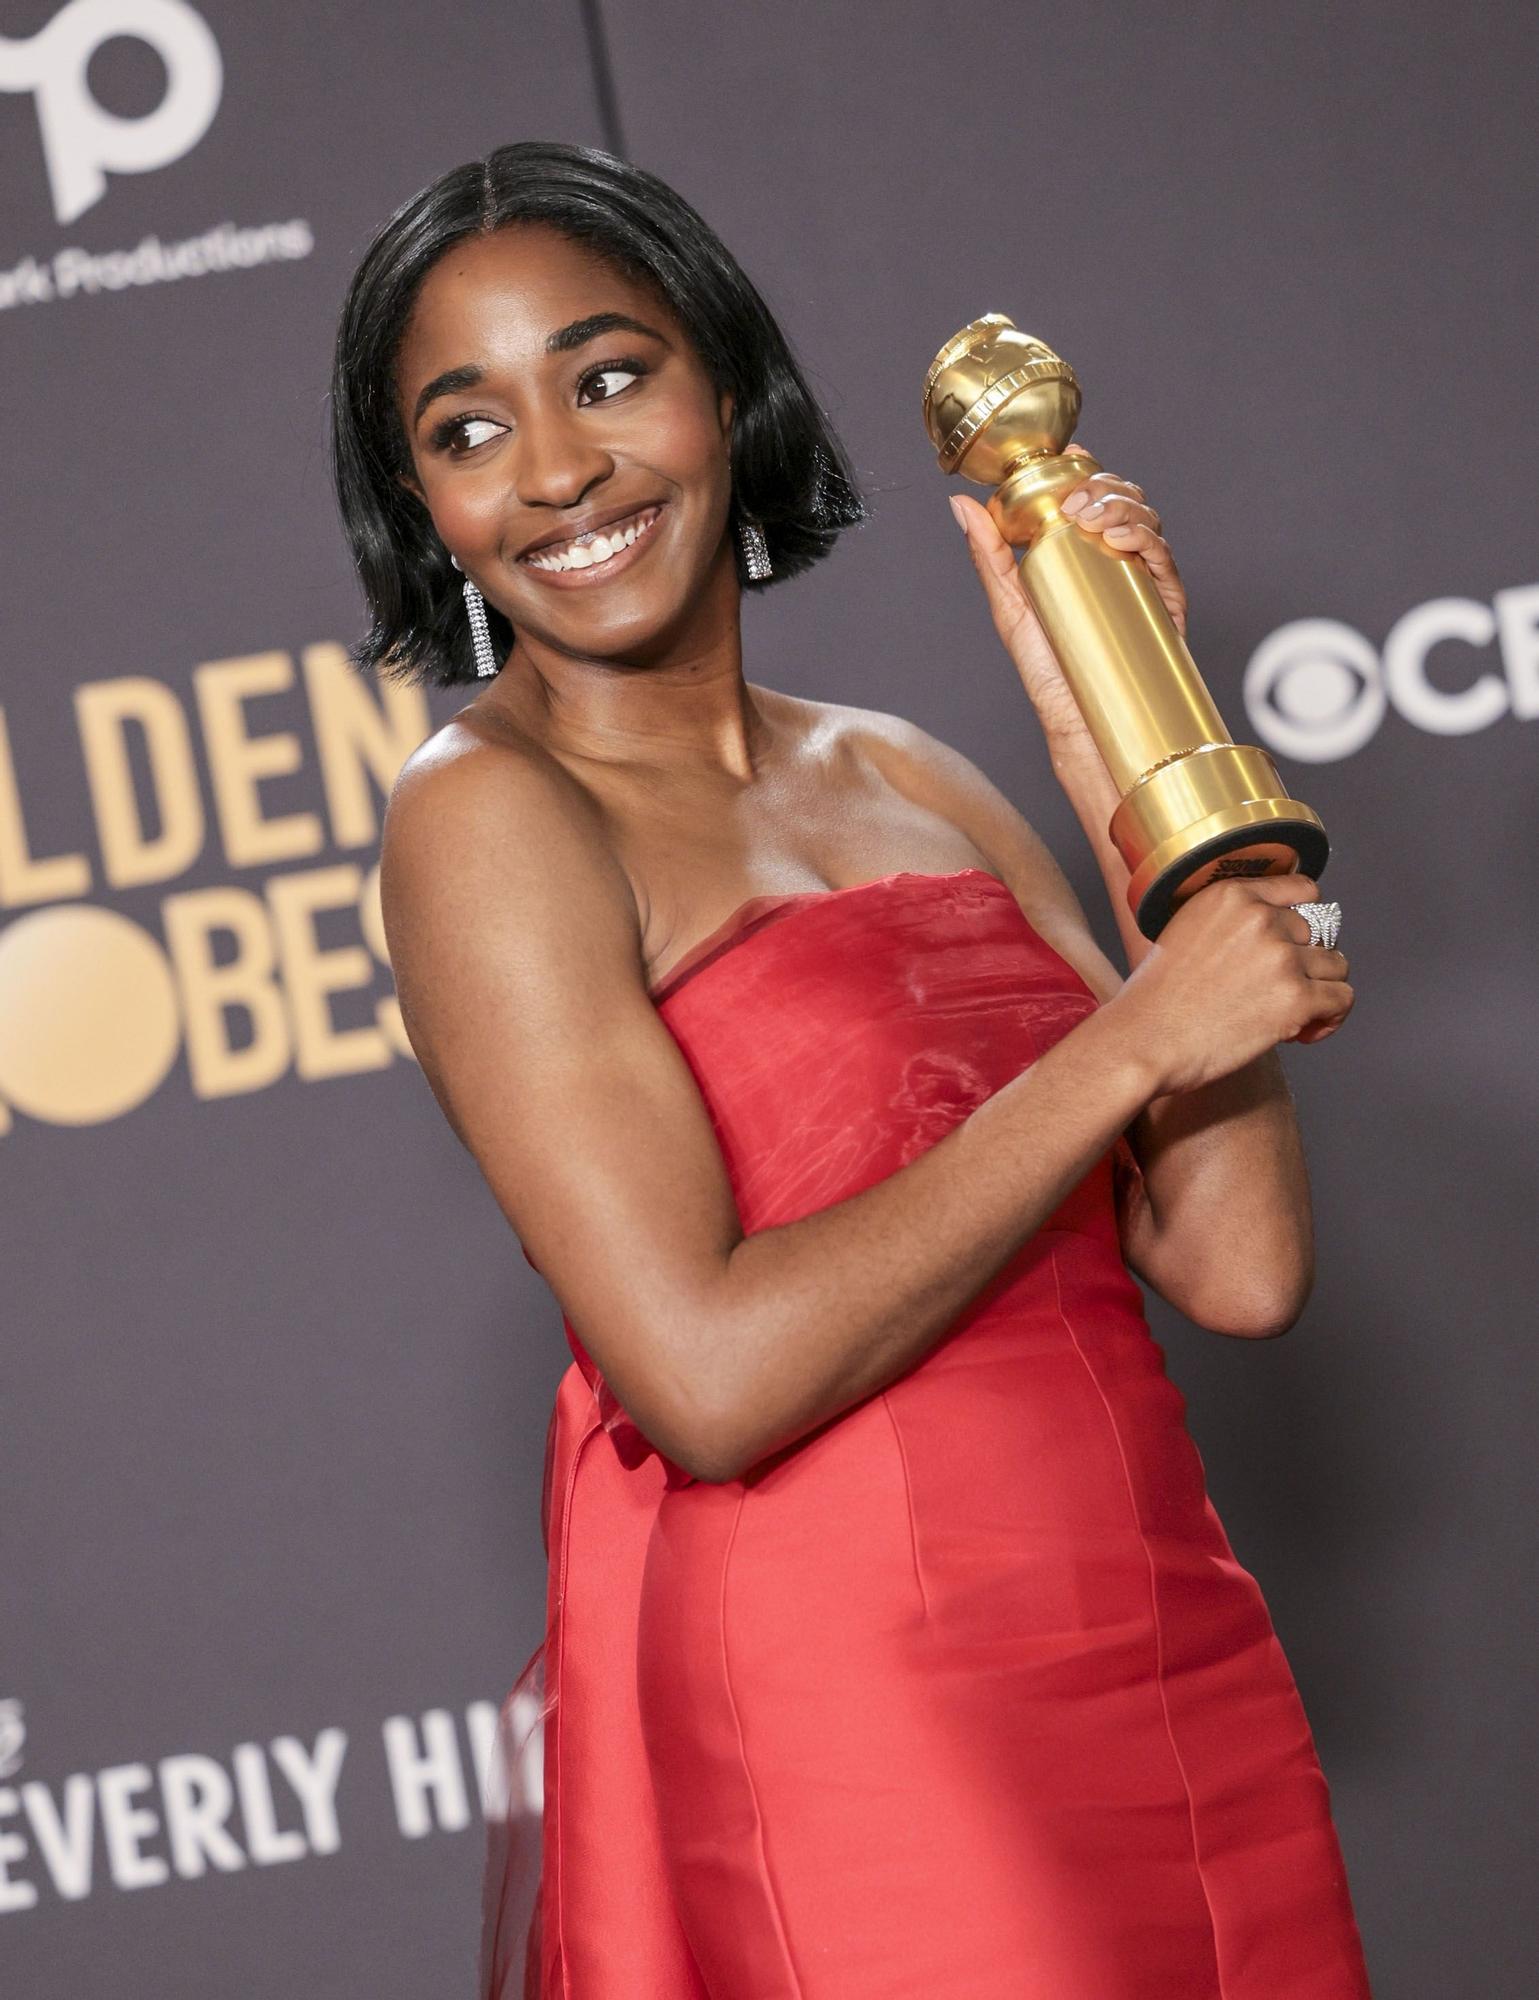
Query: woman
[{"x": 893, "y": 1646}]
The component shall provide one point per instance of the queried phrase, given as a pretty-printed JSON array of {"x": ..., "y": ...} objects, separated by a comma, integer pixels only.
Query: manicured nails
[{"x": 957, "y": 513}]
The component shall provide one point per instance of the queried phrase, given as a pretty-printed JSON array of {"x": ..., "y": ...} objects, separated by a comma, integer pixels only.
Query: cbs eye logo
[
  {"x": 1317, "y": 689},
  {"x": 82, "y": 141}
]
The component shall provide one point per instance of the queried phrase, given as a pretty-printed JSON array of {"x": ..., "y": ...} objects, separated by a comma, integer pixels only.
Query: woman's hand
[
  {"x": 1102, "y": 504},
  {"x": 1232, "y": 974}
]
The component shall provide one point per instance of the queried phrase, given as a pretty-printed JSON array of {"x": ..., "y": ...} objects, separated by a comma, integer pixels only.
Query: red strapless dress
[{"x": 965, "y": 1695}]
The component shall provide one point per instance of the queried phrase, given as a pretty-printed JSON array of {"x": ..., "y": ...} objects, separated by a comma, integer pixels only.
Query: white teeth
[{"x": 591, "y": 549}]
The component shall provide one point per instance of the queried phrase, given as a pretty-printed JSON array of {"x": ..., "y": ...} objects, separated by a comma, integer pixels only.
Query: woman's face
[{"x": 567, "y": 441}]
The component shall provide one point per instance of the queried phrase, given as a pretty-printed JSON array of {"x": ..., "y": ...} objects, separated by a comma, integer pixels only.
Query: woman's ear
[{"x": 726, "y": 406}]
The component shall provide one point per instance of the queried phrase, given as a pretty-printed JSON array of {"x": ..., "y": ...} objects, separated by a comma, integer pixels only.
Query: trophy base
[
  {"x": 1219, "y": 809},
  {"x": 1296, "y": 847}
]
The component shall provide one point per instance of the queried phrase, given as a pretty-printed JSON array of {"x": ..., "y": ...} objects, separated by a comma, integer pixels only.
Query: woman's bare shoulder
[
  {"x": 900, "y": 750},
  {"x": 477, "y": 775},
  {"x": 488, "y": 812},
  {"x": 937, "y": 778},
  {"x": 834, "y": 727},
  {"x": 470, "y": 752}
]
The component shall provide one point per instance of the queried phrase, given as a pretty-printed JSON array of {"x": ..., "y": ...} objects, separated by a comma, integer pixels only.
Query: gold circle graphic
[{"x": 89, "y": 1021}]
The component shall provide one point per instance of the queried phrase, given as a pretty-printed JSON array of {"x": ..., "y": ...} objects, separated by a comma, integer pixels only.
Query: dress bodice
[{"x": 836, "y": 1034}]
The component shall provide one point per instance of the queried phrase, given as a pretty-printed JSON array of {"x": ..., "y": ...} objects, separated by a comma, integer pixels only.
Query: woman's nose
[{"x": 558, "y": 460}]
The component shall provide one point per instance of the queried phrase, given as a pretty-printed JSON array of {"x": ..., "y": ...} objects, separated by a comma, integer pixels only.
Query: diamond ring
[{"x": 1324, "y": 920}]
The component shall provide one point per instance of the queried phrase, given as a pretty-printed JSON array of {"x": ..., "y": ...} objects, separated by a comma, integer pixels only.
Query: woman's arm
[
  {"x": 516, "y": 946},
  {"x": 1219, "y": 1223},
  {"x": 1217, "y": 1220}
]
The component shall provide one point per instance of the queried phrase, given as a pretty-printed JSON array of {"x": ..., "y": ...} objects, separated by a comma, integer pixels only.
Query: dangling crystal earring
[
  {"x": 756, "y": 555},
  {"x": 480, "y": 637}
]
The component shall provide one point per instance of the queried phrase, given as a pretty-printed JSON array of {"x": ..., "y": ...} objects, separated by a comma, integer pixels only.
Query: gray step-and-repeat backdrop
[{"x": 275, "y": 1375}]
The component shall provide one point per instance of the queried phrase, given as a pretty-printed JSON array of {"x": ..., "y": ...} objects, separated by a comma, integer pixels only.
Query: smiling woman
[
  {"x": 455, "y": 341},
  {"x": 892, "y": 1645}
]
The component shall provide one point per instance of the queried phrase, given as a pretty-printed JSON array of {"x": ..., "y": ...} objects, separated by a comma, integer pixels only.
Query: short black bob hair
[{"x": 789, "y": 471}]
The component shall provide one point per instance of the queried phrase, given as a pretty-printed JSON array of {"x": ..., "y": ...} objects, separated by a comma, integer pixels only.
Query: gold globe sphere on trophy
[{"x": 1195, "y": 805}]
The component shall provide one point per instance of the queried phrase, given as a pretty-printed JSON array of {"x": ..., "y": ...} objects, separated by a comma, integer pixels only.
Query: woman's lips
[{"x": 597, "y": 556}]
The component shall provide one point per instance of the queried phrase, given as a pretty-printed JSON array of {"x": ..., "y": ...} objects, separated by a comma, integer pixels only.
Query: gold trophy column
[{"x": 999, "y": 407}]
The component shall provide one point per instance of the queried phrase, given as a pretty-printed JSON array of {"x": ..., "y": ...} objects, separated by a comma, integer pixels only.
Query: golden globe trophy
[{"x": 1000, "y": 407}]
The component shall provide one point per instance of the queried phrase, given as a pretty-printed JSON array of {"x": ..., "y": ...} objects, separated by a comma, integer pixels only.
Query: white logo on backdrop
[
  {"x": 1317, "y": 689},
  {"x": 190, "y": 1815},
  {"x": 82, "y": 140}
]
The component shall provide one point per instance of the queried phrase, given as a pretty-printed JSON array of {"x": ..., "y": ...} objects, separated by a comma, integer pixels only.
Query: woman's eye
[
  {"x": 460, "y": 428},
  {"x": 608, "y": 382}
]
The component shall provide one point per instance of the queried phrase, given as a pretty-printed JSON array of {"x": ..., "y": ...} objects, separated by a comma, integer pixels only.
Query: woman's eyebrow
[
  {"x": 577, "y": 334},
  {"x": 581, "y": 331},
  {"x": 449, "y": 383}
]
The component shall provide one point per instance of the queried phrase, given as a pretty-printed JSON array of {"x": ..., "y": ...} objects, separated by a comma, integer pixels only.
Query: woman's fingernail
[
  {"x": 1075, "y": 501},
  {"x": 956, "y": 511}
]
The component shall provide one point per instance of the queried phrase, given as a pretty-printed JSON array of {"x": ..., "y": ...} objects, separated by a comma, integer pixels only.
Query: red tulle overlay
[{"x": 965, "y": 1693}]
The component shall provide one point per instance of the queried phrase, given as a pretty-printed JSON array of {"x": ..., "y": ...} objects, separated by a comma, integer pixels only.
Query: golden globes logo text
[{"x": 250, "y": 980}]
